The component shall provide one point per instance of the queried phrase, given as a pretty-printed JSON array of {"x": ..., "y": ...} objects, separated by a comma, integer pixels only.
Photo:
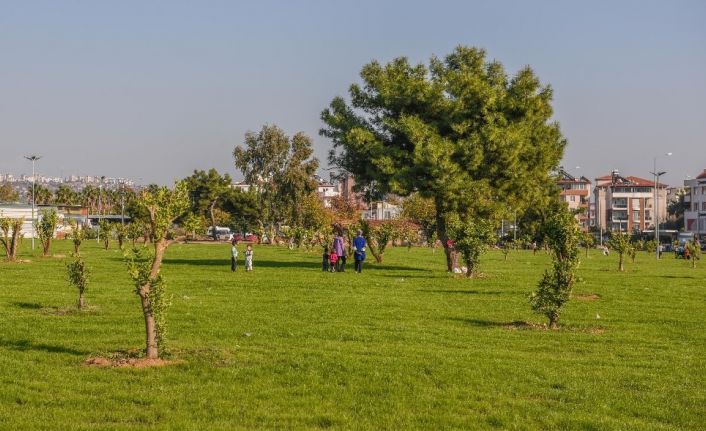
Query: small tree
[
  {"x": 105, "y": 230},
  {"x": 472, "y": 239},
  {"x": 135, "y": 230},
  {"x": 562, "y": 235},
  {"x": 193, "y": 224},
  {"x": 620, "y": 242},
  {"x": 121, "y": 233},
  {"x": 78, "y": 277},
  {"x": 161, "y": 207},
  {"x": 379, "y": 234},
  {"x": 588, "y": 241},
  {"x": 651, "y": 246},
  {"x": 694, "y": 252},
  {"x": 45, "y": 227},
  {"x": 505, "y": 248},
  {"x": 11, "y": 236},
  {"x": 78, "y": 234}
]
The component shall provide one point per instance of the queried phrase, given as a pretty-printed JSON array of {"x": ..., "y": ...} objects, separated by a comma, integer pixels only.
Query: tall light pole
[
  {"x": 33, "y": 158},
  {"x": 100, "y": 207},
  {"x": 657, "y": 174}
]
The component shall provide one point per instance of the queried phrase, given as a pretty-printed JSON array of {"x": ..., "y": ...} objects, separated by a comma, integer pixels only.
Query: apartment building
[
  {"x": 627, "y": 204},
  {"x": 576, "y": 192},
  {"x": 695, "y": 215}
]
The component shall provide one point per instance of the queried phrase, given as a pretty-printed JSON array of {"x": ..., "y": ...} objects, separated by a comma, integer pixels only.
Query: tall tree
[
  {"x": 43, "y": 195},
  {"x": 208, "y": 191},
  {"x": 160, "y": 207},
  {"x": 458, "y": 131},
  {"x": 281, "y": 171}
]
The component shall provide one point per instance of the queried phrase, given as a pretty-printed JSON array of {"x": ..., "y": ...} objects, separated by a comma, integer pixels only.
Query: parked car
[{"x": 222, "y": 233}]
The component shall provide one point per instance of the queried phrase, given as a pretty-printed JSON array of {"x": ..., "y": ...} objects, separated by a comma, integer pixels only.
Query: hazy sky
[{"x": 154, "y": 89}]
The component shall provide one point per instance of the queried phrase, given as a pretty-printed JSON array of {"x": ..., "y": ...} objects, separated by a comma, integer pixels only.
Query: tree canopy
[{"x": 458, "y": 130}]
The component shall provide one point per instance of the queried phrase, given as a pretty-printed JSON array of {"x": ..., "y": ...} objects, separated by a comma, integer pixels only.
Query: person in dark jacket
[
  {"x": 359, "y": 251},
  {"x": 325, "y": 263}
]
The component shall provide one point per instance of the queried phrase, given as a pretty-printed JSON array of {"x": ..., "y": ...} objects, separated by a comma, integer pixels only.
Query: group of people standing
[
  {"x": 334, "y": 259},
  {"x": 234, "y": 257}
]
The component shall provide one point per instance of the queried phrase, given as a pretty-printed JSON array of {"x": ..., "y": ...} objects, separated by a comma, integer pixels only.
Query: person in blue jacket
[{"x": 359, "y": 251}]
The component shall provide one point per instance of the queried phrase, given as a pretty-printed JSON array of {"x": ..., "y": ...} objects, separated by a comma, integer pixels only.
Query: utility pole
[
  {"x": 657, "y": 174},
  {"x": 33, "y": 158}
]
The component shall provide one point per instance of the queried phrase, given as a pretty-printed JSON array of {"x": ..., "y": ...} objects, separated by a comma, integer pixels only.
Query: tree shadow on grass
[
  {"x": 466, "y": 292},
  {"x": 310, "y": 265},
  {"x": 28, "y": 305},
  {"x": 24, "y": 345}
]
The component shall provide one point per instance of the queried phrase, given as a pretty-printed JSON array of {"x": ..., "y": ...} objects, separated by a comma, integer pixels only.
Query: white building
[
  {"x": 695, "y": 215},
  {"x": 23, "y": 211},
  {"x": 326, "y": 192}
]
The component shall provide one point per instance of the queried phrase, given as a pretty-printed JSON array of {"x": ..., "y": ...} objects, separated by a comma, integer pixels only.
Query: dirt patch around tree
[
  {"x": 587, "y": 296},
  {"x": 127, "y": 359}
]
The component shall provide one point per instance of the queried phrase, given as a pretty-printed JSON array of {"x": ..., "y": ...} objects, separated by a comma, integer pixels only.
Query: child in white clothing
[{"x": 248, "y": 258}]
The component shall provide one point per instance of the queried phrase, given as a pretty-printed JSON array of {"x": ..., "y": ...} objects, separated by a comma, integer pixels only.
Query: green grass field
[{"x": 401, "y": 346}]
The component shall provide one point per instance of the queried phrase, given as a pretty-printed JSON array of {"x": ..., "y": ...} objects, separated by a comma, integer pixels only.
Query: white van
[{"x": 222, "y": 233}]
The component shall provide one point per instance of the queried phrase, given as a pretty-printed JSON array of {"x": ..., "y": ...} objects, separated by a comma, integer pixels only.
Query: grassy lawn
[{"x": 403, "y": 345}]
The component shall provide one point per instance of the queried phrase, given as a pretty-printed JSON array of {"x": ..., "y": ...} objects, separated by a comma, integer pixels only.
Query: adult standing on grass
[
  {"x": 359, "y": 251},
  {"x": 340, "y": 250},
  {"x": 234, "y": 256}
]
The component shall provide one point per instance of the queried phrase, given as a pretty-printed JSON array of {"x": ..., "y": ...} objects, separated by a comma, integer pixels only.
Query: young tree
[
  {"x": 650, "y": 246},
  {"x": 121, "y": 233},
  {"x": 45, "y": 228},
  {"x": 472, "y": 238},
  {"x": 459, "y": 132},
  {"x": 78, "y": 277},
  {"x": 78, "y": 234},
  {"x": 105, "y": 229},
  {"x": 694, "y": 252},
  {"x": 588, "y": 241},
  {"x": 378, "y": 235},
  {"x": 193, "y": 224},
  {"x": 208, "y": 190},
  {"x": 620, "y": 242},
  {"x": 161, "y": 206},
  {"x": 562, "y": 235},
  {"x": 11, "y": 235}
]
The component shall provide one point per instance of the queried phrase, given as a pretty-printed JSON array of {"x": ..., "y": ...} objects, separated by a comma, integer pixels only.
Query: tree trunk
[
  {"x": 586, "y": 251},
  {"x": 621, "y": 266},
  {"x": 152, "y": 349},
  {"x": 81, "y": 301},
  {"x": 214, "y": 234},
  {"x": 553, "y": 321},
  {"x": 45, "y": 247},
  {"x": 470, "y": 269},
  {"x": 441, "y": 233}
]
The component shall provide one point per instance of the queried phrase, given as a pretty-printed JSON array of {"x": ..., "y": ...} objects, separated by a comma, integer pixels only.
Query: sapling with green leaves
[
  {"x": 620, "y": 242},
  {"x": 121, "y": 233},
  {"x": 45, "y": 228},
  {"x": 588, "y": 241},
  {"x": 78, "y": 235},
  {"x": 694, "y": 252},
  {"x": 562, "y": 235},
  {"x": 105, "y": 229},
  {"x": 160, "y": 207},
  {"x": 651, "y": 246},
  {"x": 78, "y": 277},
  {"x": 472, "y": 237},
  {"x": 11, "y": 229}
]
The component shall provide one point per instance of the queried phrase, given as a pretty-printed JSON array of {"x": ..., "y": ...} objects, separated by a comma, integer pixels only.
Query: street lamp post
[
  {"x": 100, "y": 207},
  {"x": 657, "y": 174},
  {"x": 33, "y": 158}
]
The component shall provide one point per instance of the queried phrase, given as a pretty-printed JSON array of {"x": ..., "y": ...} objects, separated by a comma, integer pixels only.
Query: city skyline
[{"x": 152, "y": 92}]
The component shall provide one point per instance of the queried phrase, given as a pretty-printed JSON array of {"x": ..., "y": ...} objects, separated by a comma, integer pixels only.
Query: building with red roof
[
  {"x": 576, "y": 192},
  {"x": 627, "y": 203}
]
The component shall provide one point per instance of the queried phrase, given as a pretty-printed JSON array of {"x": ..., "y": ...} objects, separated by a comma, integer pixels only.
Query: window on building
[
  {"x": 703, "y": 206},
  {"x": 573, "y": 198},
  {"x": 636, "y": 216},
  {"x": 696, "y": 206},
  {"x": 703, "y": 190}
]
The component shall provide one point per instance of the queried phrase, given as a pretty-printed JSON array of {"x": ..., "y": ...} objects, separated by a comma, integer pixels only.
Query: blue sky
[{"x": 154, "y": 89}]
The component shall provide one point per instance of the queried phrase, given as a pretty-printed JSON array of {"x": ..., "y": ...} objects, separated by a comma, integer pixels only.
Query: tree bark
[
  {"x": 470, "y": 268},
  {"x": 81, "y": 301},
  {"x": 214, "y": 234},
  {"x": 621, "y": 266},
  {"x": 553, "y": 321},
  {"x": 152, "y": 349},
  {"x": 441, "y": 233}
]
